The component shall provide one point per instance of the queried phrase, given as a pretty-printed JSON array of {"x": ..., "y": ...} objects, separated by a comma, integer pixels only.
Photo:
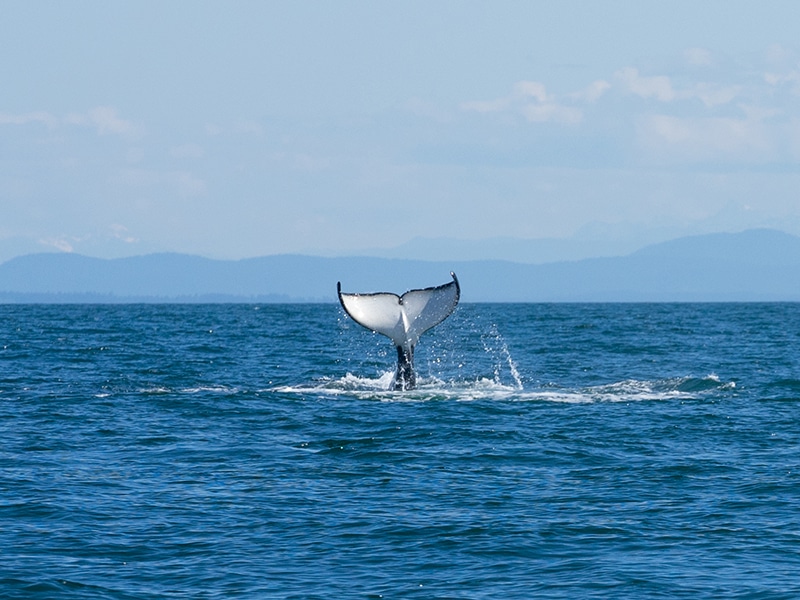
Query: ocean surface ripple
[{"x": 255, "y": 451}]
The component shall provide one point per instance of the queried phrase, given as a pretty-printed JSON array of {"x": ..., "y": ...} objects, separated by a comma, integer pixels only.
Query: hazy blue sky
[{"x": 234, "y": 129}]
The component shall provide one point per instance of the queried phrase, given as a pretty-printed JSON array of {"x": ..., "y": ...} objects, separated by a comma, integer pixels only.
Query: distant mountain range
[
  {"x": 529, "y": 251},
  {"x": 754, "y": 265}
]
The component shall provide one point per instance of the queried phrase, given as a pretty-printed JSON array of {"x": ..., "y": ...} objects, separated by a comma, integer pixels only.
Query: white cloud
[
  {"x": 698, "y": 57},
  {"x": 44, "y": 118},
  {"x": 592, "y": 92},
  {"x": 658, "y": 87},
  {"x": 106, "y": 120},
  {"x": 89, "y": 242},
  {"x": 62, "y": 244},
  {"x": 531, "y": 89},
  {"x": 758, "y": 113},
  {"x": 120, "y": 232},
  {"x": 541, "y": 113},
  {"x": 712, "y": 95},
  {"x": 707, "y": 138},
  {"x": 531, "y": 100},
  {"x": 790, "y": 79},
  {"x": 103, "y": 118}
]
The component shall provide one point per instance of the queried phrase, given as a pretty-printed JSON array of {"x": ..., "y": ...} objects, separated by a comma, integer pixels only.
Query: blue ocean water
[{"x": 551, "y": 451}]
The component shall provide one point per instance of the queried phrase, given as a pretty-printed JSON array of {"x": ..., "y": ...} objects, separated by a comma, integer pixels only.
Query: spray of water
[{"x": 497, "y": 348}]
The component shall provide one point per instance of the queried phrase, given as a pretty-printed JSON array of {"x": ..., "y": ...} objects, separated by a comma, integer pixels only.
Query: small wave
[{"x": 702, "y": 384}]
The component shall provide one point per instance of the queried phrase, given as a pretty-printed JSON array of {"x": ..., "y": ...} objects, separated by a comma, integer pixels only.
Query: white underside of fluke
[{"x": 404, "y": 318}]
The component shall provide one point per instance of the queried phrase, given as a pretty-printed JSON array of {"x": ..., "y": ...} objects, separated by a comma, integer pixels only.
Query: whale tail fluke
[{"x": 403, "y": 319}]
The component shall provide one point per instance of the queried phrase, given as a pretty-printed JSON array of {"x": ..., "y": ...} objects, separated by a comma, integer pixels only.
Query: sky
[{"x": 235, "y": 129}]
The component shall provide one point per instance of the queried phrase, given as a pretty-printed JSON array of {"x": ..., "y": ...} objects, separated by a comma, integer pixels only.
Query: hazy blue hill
[
  {"x": 748, "y": 266},
  {"x": 170, "y": 276},
  {"x": 150, "y": 275},
  {"x": 755, "y": 246},
  {"x": 533, "y": 251}
]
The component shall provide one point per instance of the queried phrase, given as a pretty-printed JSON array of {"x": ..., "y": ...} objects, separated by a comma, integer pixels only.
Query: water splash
[{"x": 497, "y": 348}]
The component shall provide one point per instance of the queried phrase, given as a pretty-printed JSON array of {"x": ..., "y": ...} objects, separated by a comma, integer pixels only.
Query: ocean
[{"x": 254, "y": 451}]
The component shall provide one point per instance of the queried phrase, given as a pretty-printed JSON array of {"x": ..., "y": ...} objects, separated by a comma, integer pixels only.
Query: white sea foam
[
  {"x": 629, "y": 390},
  {"x": 155, "y": 390},
  {"x": 428, "y": 388},
  {"x": 216, "y": 389}
]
